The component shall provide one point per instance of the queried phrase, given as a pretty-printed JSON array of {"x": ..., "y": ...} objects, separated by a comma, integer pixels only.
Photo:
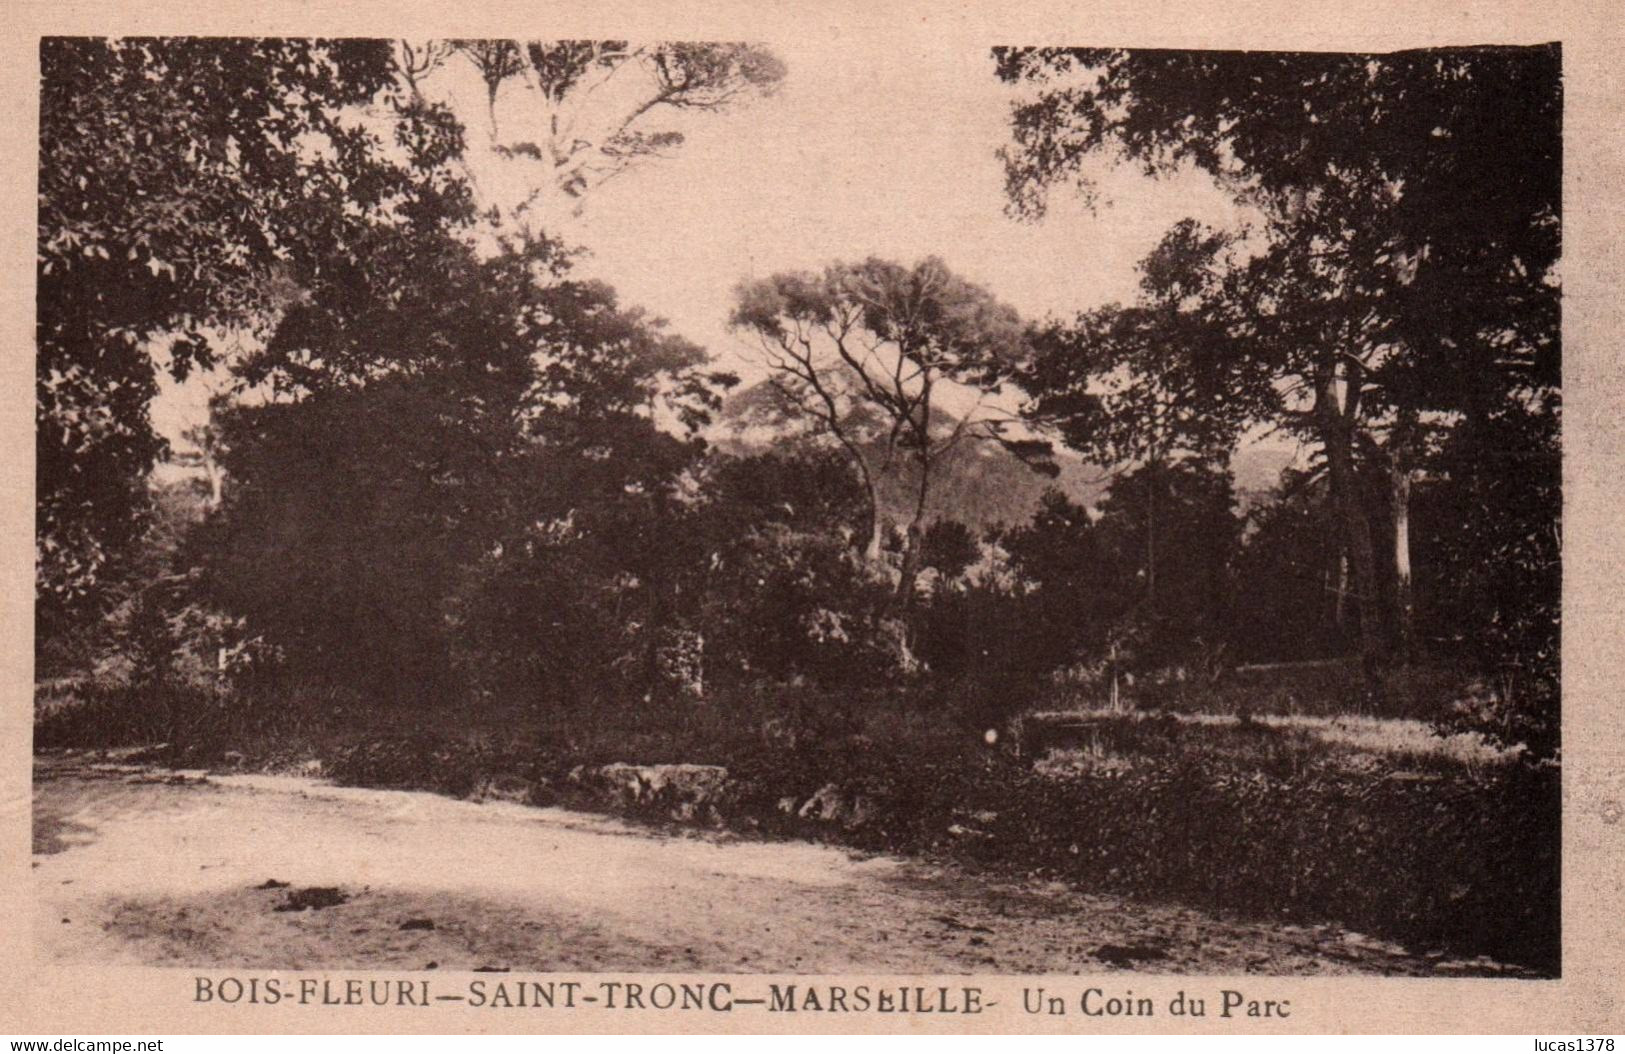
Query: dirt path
[{"x": 132, "y": 866}]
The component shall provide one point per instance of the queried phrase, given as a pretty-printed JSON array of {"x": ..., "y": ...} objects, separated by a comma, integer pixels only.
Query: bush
[
  {"x": 193, "y": 718},
  {"x": 1469, "y": 864},
  {"x": 783, "y": 605},
  {"x": 1508, "y": 716},
  {"x": 1323, "y": 688},
  {"x": 1435, "y": 860}
]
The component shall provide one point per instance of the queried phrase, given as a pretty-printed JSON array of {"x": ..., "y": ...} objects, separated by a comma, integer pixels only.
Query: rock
[
  {"x": 1372, "y": 944},
  {"x": 134, "y": 753},
  {"x": 313, "y": 898},
  {"x": 177, "y": 778},
  {"x": 1128, "y": 954},
  {"x": 829, "y": 805},
  {"x": 825, "y": 804},
  {"x": 514, "y": 789},
  {"x": 689, "y": 792},
  {"x": 1478, "y": 966},
  {"x": 110, "y": 767},
  {"x": 787, "y": 805}
]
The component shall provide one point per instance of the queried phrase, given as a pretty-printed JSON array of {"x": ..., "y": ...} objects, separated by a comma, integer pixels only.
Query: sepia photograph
[{"x": 510, "y": 508}]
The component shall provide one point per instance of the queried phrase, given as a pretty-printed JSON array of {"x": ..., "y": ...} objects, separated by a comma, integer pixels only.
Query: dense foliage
[
  {"x": 187, "y": 186},
  {"x": 1397, "y": 297}
]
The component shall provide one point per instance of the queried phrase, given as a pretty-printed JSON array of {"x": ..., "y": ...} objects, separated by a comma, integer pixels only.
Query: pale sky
[{"x": 866, "y": 149}]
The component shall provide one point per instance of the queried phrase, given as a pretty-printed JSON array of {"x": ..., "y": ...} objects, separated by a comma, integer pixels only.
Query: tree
[
  {"x": 1291, "y": 577},
  {"x": 187, "y": 186},
  {"x": 873, "y": 355},
  {"x": 1489, "y": 532},
  {"x": 1399, "y": 277},
  {"x": 395, "y": 394},
  {"x": 463, "y": 468},
  {"x": 1150, "y": 388},
  {"x": 566, "y": 116},
  {"x": 191, "y": 189},
  {"x": 1175, "y": 521},
  {"x": 1073, "y": 596},
  {"x": 949, "y": 548}
]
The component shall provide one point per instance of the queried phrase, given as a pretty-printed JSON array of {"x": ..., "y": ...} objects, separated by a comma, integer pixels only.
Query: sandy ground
[{"x": 138, "y": 866}]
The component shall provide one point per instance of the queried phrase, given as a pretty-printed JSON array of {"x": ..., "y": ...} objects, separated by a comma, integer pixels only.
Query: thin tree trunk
[
  {"x": 212, "y": 473},
  {"x": 1399, "y": 496},
  {"x": 874, "y": 535},
  {"x": 915, "y": 539},
  {"x": 1151, "y": 536},
  {"x": 1116, "y": 699},
  {"x": 1340, "y": 597},
  {"x": 872, "y": 547},
  {"x": 911, "y": 566},
  {"x": 1404, "y": 608},
  {"x": 1337, "y": 435}
]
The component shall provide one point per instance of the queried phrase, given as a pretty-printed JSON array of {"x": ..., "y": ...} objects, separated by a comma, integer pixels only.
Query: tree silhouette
[
  {"x": 871, "y": 355},
  {"x": 1409, "y": 231}
]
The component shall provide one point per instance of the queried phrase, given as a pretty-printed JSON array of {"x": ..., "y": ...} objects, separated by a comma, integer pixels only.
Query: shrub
[
  {"x": 1321, "y": 688},
  {"x": 1508, "y": 716},
  {"x": 1436, "y": 860}
]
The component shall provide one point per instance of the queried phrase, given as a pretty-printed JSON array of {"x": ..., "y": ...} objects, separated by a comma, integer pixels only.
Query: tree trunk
[
  {"x": 875, "y": 536},
  {"x": 1116, "y": 699},
  {"x": 1399, "y": 497},
  {"x": 211, "y": 471},
  {"x": 872, "y": 547},
  {"x": 1337, "y": 436},
  {"x": 1151, "y": 536},
  {"x": 913, "y": 543},
  {"x": 1404, "y": 615},
  {"x": 911, "y": 565},
  {"x": 1341, "y": 594}
]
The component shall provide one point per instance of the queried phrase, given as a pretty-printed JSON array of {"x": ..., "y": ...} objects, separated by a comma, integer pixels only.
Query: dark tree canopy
[
  {"x": 463, "y": 457},
  {"x": 1401, "y": 276},
  {"x": 189, "y": 185},
  {"x": 1441, "y": 169},
  {"x": 1157, "y": 380}
]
